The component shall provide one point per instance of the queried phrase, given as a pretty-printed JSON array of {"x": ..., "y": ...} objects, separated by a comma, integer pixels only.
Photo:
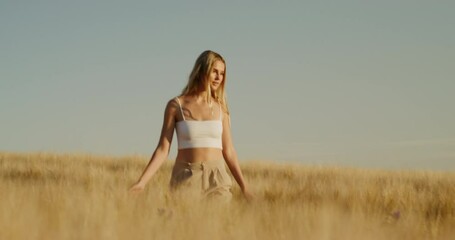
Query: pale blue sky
[{"x": 352, "y": 83}]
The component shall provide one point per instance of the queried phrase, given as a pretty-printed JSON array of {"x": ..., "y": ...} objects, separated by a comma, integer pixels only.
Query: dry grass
[{"x": 49, "y": 196}]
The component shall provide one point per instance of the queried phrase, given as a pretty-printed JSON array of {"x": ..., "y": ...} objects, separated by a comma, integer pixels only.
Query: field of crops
[{"x": 77, "y": 196}]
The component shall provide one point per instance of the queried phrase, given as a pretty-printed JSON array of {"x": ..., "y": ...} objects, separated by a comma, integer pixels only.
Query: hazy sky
[{"x": 352, "y": 83}]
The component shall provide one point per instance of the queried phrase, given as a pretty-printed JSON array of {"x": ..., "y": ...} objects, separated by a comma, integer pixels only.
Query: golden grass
[{"x": 50, "y": 196}]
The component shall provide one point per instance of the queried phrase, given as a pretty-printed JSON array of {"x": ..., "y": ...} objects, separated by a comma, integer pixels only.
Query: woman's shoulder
[
  {"x": 187, "y": 99},
  {"x": 179, "y": 99},
  {"x": 176, "y": 99},
  {"x": 172, "y": 103}
]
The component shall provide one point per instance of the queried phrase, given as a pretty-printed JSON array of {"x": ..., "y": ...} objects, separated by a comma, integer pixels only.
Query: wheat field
[{"x": 77, "y": 196}]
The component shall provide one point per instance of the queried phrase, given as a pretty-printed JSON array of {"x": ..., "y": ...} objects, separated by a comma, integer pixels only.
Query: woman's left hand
[{"x": 249, "y": 196}]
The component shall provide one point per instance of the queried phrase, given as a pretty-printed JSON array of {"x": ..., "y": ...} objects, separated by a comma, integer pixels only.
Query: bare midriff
[{"x": 199, "y": 154}]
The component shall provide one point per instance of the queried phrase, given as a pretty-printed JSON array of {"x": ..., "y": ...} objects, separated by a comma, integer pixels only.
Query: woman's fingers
[
  {"x": 248, "y": 196},
  {"x": 136, "y": 188}
]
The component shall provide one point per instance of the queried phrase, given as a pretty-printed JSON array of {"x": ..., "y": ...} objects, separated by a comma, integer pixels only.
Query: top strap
[
  {"x": 221, "y": 113},
  {"x": 180, "y": 105}
]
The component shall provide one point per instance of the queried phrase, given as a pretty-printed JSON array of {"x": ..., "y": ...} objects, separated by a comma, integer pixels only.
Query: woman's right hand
[{"x": 137, "y": 188}]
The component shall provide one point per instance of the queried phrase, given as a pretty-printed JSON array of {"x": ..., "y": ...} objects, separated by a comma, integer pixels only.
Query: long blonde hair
[{"x": 199, "y": 75}]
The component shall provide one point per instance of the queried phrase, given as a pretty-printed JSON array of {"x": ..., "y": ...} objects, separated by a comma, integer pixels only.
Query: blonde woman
[{"x": 200, "y": 117}]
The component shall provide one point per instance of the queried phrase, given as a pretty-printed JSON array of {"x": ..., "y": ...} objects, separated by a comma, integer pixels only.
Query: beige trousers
[{"x": 207, "y": 179}]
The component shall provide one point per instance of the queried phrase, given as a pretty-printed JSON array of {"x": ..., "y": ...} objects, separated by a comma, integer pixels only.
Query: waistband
[{"x": 200, "y": 165}]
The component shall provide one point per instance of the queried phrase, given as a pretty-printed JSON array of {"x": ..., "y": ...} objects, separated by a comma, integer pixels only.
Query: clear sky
[{"x": 351, "y": 83}]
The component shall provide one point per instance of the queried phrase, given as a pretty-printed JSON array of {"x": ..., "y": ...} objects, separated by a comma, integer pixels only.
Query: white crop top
[{"x": 199, "y": 134}]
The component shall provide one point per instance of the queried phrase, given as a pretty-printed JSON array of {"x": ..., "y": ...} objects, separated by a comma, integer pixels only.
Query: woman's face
[{"x": 216, "y": 76}]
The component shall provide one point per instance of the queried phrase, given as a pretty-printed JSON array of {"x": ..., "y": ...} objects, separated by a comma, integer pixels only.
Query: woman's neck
[{"x": 200, "y": 96}]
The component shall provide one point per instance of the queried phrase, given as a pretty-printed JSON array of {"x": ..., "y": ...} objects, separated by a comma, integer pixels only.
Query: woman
[{"x": 200, "y": 117}]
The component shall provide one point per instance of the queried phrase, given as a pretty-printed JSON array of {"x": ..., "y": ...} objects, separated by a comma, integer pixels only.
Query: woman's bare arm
[
  {"x": 230, "y": 157},
  {"x": 162, "y": 150}
]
